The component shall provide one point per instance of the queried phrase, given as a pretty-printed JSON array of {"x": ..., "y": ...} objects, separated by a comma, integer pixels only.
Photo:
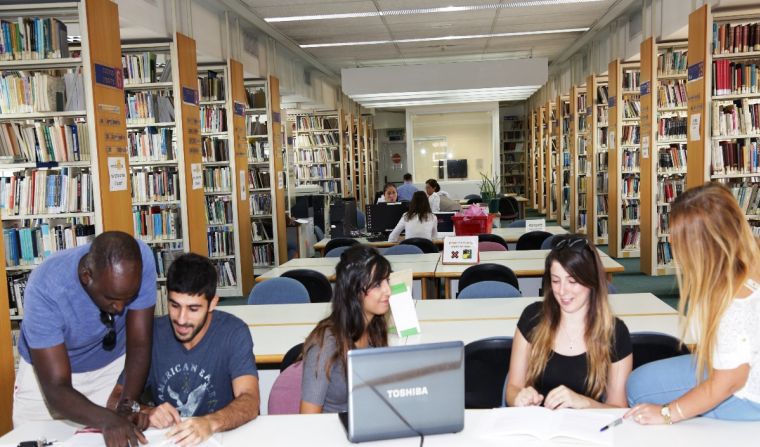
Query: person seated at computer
[
  {"x": 719, "y": 277},
  {"x": 569, "y": 351},
  {"x": 390, "y": 194},
  {"x": 440, "y": 200},
  {"x": 419, "y": 221},
  {"x": 359, "y": 304}
]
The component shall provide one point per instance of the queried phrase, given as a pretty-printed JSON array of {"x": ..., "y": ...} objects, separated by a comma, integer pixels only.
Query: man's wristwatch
[
  {"x": 665, "y": 412},
  {"x": 128, "y": 406}
]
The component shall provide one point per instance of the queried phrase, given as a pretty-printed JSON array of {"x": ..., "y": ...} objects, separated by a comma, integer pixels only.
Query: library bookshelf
[
  {"x": 564, "y": 119},
  {"x": 550, "y": 165},
  {"x": 532, "y": 162},
  {"x": 579, "y": 163},
  {"x": 316, "y": 151},
  {"x": 596, "y": 143},
  {"x": 541, "y": 139},
  {"x": 513, "y": 155}
]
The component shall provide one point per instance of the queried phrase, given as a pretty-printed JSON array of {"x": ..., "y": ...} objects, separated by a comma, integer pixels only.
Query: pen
[{"x": 614, "y": 423}]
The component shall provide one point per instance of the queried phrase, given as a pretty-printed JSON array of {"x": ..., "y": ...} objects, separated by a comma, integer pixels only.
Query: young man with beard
[{"x": 203, "y": 377}]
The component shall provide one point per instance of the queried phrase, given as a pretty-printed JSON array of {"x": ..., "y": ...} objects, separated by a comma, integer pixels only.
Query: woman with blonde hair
[
  {"x": 719, "y": 279},
  {"x": 569, "y": 351}
]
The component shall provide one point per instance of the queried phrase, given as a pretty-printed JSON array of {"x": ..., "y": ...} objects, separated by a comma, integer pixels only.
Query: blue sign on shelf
[
  {"x": 644, "y": 89},
  {"x": 612, "y": 101},
  {"x": 276, "y": 117},
  {"x": 190, "y": 96},
  {"x": 696, "y": 71},
  {"x": 239, "y": 108},
  {"x": 109, "y": 76}
]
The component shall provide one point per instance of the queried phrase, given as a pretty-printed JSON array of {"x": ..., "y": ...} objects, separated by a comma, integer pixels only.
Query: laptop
[{"x": 405, "y": 391}]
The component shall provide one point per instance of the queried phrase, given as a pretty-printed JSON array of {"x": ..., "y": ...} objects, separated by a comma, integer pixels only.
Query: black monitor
[
  {"x": 445, "y": 223},
  {"x": 456, "y": 168},
  {"x": 383, "y": 217},
  {"x": 343, "y": 217}
]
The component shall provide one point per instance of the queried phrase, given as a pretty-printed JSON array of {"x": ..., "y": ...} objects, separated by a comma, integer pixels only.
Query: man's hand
[
  {"x": 119, "y": 432},
  {"x": 191, "y": 432},
  {"x": 164, "y": 415}
]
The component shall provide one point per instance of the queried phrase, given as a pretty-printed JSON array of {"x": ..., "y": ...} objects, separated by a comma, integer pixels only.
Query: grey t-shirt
[{"x": 331, "y": 394}]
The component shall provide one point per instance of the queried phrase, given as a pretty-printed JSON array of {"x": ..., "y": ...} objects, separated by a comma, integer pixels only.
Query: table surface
[{"x": 326, "y": 430}]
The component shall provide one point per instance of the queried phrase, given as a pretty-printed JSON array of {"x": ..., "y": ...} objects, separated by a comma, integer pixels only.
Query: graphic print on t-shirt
[{"x": 187, "y": 386}]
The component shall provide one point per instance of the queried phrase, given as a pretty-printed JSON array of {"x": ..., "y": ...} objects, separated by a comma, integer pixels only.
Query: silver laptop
[{"x": 405, "y": 391}]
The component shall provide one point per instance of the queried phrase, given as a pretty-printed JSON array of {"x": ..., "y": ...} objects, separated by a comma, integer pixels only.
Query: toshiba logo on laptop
[{"x": 407, "y": 392}]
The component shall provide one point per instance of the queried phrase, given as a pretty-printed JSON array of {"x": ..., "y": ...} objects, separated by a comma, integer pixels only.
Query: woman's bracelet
[{"x": 678, "y": 409}]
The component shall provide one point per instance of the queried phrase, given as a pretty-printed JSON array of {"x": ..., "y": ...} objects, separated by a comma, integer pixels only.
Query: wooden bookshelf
[
  {"x": 597, "y": 137},
  {"x": 549, "y": 164},
  {"x": 513, "y": 155},
  {"x": 723, "y": 142},
  {"x": 579, "y": 160},
  {"x": 532, "y": 162},
  {"x": 624, "y": 160},
  {"x": 316, "y": 150},
  {"x": 564, "y": 119},
  {"x": 539, "y": 160},
  {"x": 278, "y": 166}
]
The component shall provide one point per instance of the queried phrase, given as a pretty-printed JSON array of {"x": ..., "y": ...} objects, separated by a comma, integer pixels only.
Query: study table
[{"x": 326, "y": 430}]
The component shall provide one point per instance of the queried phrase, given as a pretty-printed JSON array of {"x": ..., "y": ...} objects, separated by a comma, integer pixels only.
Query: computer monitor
[
  {"x": 382, "y": 217},
  {"x": 456, "y": 168},
  {"x": 405, "y": 391},
  {"x": 343, "y": 217},
  {"x": 445, "y": 223}
]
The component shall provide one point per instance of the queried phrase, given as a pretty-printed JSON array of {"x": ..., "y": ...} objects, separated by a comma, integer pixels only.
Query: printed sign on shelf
[
  {"x": 460, "y": 250},
  {"x": 117, "y": 173},
  {"x": 535, "y": 225},
  {"x": 197, "y": 174},
  {"x": 695, "y": 122}
]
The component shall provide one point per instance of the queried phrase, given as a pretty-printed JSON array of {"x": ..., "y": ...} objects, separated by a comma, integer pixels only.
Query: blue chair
[
  {"x": 489, "y": 289},
  {"x": 517, "y": 224},
  {"x": 279, "y": 291},
  {"x": 361, "y": 220},
  {"x": 318, "y": 233},
  {"x": 337, "y": 251},
  {"x": 403, "y": 249},
  {"x": 340, "y": 242},
  {"x": 549, "y": 242}
]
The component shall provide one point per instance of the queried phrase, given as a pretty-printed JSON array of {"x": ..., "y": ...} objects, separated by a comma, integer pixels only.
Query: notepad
[{"x": 546, "y": 424}]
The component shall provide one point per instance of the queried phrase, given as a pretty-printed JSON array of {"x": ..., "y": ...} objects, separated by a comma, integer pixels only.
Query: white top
[
  {"x": 427, "y": 229},
  {"x": 738, "y": 342},
  {"x": 381, "y": 199},
  {"x": 435, "y": 202}
]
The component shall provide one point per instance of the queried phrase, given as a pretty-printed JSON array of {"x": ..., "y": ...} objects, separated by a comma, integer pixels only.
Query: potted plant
[{"x": 489, "y": 192}]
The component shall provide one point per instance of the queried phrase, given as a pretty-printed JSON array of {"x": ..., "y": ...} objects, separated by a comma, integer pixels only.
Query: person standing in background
[{"x": 406, "y": 190}]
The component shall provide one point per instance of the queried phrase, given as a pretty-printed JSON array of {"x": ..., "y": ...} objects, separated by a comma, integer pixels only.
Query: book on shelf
[
  {"x": 735, "y": 78},
  {"x": 139, "y": 68},
  {"x": 32, "y": 244},
  {"x": 16, "y": 287},
  {"x": 629, "y": 135},
  {"x": 44, "y": 142},
  {"x": 151, "y": 144},
  {"x": 672, "y": 157},
  {"x": 632, "y": 108},
  {"x": 41, "y": 91},
  {"x": 259, "y": 150},
  {"x": 211, "y": 87},
  {"x": 735, "y": 38},
  {"x": 218, "y": 210},
  {"x": 260, "y": 203},
  {"x": 671, "y": 94},
  {"x": 214, "y": 149},
  {"x": 164, "y": 255},
  {"x": 156, "y": 185},
  {"x": 670, "y": 188},
  {"x": 263, "y": 255},
  {"x": 631, "y": 80},
  {"x": 671, "y": 62},
  {"x": 254, "y": 126},
  {"x": 256, "y": 98},
  {"x": 221, "y": 241},
  {"x": 671, "y": 128},
  {"x": 631, "y": 239},
  {"x": 217, "y": 179},
  {"x": 155, "y": 223},
  {"x": 735, "y": 157},
  {"x": 664, "y": 253},
  {"x": 261, "y": 231},
  {"x": 736, "y": 117},
  {"x": 748, "y": 197},
  {"x": 259, "y": 177},
  {"x": 38, "y": 191},
  {"x": 225, "y": 270},
  {"x": 213, "y": 118},
  {"x": 630, "y": 187},
  {"x": 149, "y": 107},
  {"x": 33, "y": 38}
]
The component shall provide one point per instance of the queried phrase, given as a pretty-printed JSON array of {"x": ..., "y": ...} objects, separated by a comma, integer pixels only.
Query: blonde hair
[
  {"x": 714, "y": 249},
  {"x": 582, "y": 262}
]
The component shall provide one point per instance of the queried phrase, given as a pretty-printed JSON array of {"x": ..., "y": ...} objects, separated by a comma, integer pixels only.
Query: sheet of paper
[
  {"x": 546, "y": 424},
  {"x": 404, "y": 321},
  {"x": 694, "y": 124},
  {"x": 197, "y": 173},
  {"x": 156, "y": 438},
  {"x": 460, "y": 250},
  {"x": 117, "y": 173},
  {"x": 535, "y": 225},
  {"x": 645, "y": 146}
]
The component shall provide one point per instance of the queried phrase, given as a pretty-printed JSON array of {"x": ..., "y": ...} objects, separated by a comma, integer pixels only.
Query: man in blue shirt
[
  {"x": 85, "y": 308},
  {"x": 406, "y": 190},
  {"x": 202, "y": 368}
]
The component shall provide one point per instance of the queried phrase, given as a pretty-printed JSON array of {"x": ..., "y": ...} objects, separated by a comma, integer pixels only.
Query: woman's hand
[
  {"x": 646, "y": 414},
  {"x": 564, "y": 397},
  {"x": 527, "y": 397}
]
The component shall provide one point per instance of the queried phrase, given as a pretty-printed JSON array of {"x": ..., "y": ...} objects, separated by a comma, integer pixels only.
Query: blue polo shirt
[
  {"x": 58, "y": 310},
  {"x": 405, "y": 191}
]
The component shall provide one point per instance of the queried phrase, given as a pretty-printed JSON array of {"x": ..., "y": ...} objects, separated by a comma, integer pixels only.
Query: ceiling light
[
  {"x": 401, "y": 12},
  {"x": 442, "y": 38}
]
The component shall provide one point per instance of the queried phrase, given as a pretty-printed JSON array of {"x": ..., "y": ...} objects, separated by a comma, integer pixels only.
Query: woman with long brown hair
[
  {"x": 419, "y": 221},
  {"x": 569, "y": 351},
  {"x": 359, "y": 304},
  {"x": 719, "y": 280}
]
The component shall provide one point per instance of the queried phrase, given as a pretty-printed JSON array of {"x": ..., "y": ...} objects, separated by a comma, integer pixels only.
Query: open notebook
[
  {"x": 545, "y": 424},
  {"x": 156, "y": 438}
]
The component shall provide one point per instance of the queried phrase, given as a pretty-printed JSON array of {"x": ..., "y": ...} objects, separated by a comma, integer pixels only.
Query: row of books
[
  {"x": 601, "y": 161},
  {"x": 629, "y": 187},
  {"x": 30, "y": 245},
  {"x": 670, "y": 188},
  {"x": 317, "y": 139},
  {"x": 44, "y": 142},
  {"x": 603, "y": 115},
  {"x": 33, "y": 38},
  {"x": 663, "y": 222},
  {"x": 672, "y": 157},
  {"x": 671, "y": 62},
  {"x": 214, "y": 149},
  {"x": 38, "y": 191},
  {"x": 219, "y": 210},
  {"x": 211, "y": 87},
  {"x": 601, "y": 204},
  {"x": 330, "y": 187},
  {"x": 141, "y": 68},
  {"x": 259, "y": 150},
  {"x": 602, "y": 94},
  {"x": 162, "y": 301},
  {"x": 149, "y": 107},
  {"x": 630, "y": 135},
  {"x": 213, "y": 119},
  {"x": 631, "y": 239},
  {"x": 631, "y": 79},
  {"x": 317, "y": 155},
  {"x": 582, "y": 221},
  {"x": 151, "y": 144},
  {"x": 671, "y": 128},
  {"x": 260, "y": 204},
  {"x": 261, "y": 231},
  {"x": 157, "y": 185},
  {"x": 56, "y": 91},
  {"x": 671, "y": 93},
  {"x": 601, "y": 135},
  {"x": 735, "y": 157},
  {"x": 157, "y": 222},
  {"x": 580, "y": 104},
  {"x": 256, "y": 97},
  {"x": 217, "y": 179},
  {"x": 735, "y": 38},
  {"x": 632, "y": 108},
  {"x": 16, "y": 288},
  {"x": 164, "y": 255},
  {"x": 735, "y": 78},
  {"x": 583, "y": 167},
  {"x": 740, "y": 117},
  {"x": 748, "y": 196},
  {"x": 225, "y": 271},
  {"x": 255, "y": 127},
  {"x": 664, "y": 253},
  {"x": 263, "y": 255},
  {"x": 602, "y": 227},
  {"x": 221, "y": 241},
  {"x": 513, "y": 158},
  {"x": 311, "y": 122},
  {"x": 630, "y": 211},
  {"x": 317, "y": 172},
  {"x": 258, "y": 177}
]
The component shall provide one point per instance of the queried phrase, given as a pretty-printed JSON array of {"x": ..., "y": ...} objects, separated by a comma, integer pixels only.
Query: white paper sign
[
  {"x": 535, "y": 225},
  {"x": 403, "y": 311},
  {"x": 611, "y": 140},
  {"x": 645, "y": 147},
  {"x": 460, "y": 250},
  {"x": 197, "y": 174},
  {"x": 280, "y": 180},
  {"x": 117, "y": 173},
  {"x": 694, "y": 126},
  {"x": 243, "y": 186}
]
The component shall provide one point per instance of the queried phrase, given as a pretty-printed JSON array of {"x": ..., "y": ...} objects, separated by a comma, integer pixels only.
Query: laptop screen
[{"x": 405, "y": 391}]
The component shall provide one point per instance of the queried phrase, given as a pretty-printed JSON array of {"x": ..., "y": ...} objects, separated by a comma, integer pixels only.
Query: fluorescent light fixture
[
  {"x": 406, "y": 99},
  {"x": 403, "y": 12},
  {"x": 443, "y": 38}
]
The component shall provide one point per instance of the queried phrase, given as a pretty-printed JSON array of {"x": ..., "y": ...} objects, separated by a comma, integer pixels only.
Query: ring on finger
[{"x": 637, "y": 418}]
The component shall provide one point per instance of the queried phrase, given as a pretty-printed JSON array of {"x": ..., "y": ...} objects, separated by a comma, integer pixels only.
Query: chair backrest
[
  {"x": 426, "y": 245},
  {"x": 517, "y": 224},
  {"x": 491, "y": 246},
  {"x": 488, "y": 237},
  {"x": 474, "y": 201},
  {"x": 340, "y": 242},
  {"x": 336, "y": 252},
  {"x": 316, "y": 283},
  {"x": 403, "y": 249},
  {"x": 489, "y": 289},
  {"x": 532, "y": 240},
  {"x": 652, "y": 346},
  {"x": 473, "y": 196},
  {"x": 486, "y": 364},
  {"x": 290, "y": 357},
  {"x": 285, "y": 395},
  {"x": 549, "y": 242},
  {"x": 508, "y": 207},
  {"x": 488, "y": 272},
  {"x": 279, "y": 291}
]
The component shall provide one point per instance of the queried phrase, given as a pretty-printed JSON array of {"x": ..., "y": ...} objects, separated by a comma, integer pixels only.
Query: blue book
[
  {"x": 10, "y": 239},
  {"x": 27, "y": 252},
  {"x": 47, "y": 244},
  {"x": 50, "y": 193}
]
